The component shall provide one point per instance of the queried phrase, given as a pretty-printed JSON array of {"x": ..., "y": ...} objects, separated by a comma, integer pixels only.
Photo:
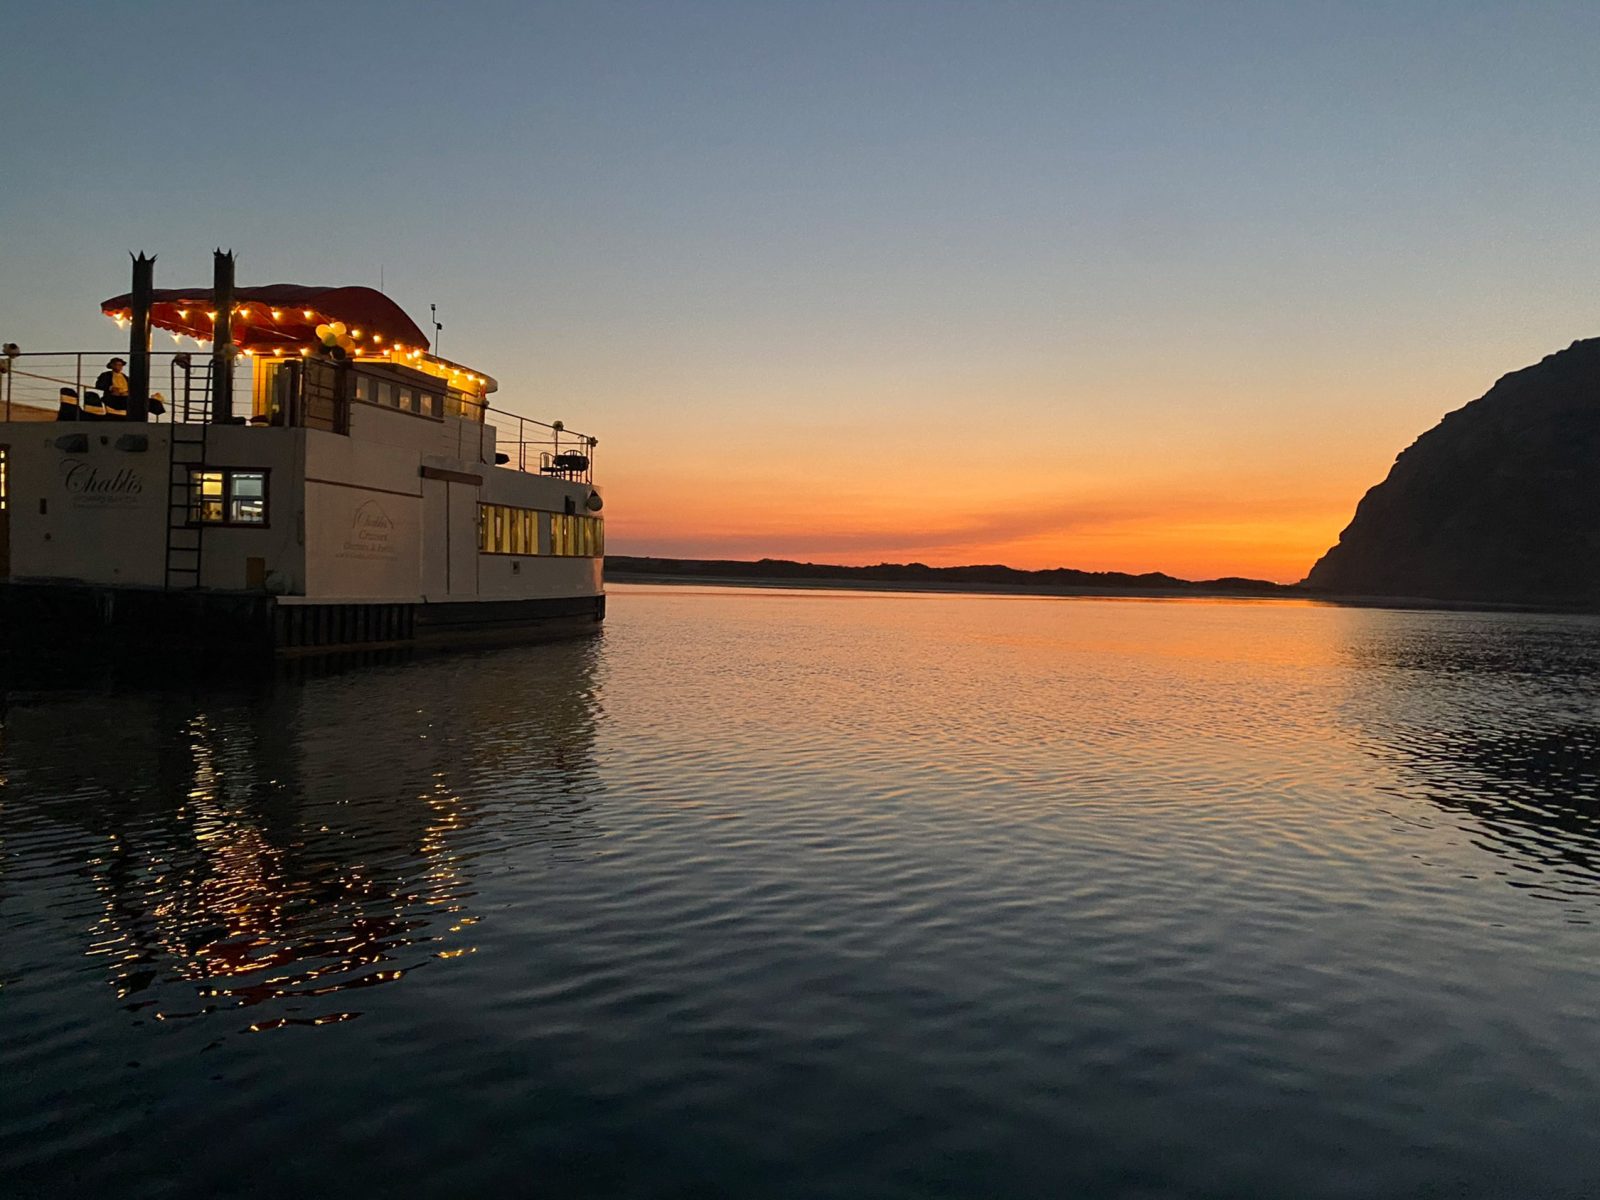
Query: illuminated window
[
  {"x": 247, "y": 498},
  {"x": 5, "y": 479},
  {"x": 503, "y": 529},
  {"x": 225, "y": 496}
]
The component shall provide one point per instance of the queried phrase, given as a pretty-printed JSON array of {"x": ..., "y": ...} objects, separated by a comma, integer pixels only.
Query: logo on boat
[
  {"x": 92, "y": 487},
  {"x": 371, "y": 531}
]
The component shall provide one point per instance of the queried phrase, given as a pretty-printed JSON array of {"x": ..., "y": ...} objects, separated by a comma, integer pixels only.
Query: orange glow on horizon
[
  {"x": 1213, "y": 475},
  {"x": 1261, "y": 538}
]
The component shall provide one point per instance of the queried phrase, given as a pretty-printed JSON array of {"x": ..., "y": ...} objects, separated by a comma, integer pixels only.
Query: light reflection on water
[{"x": 774, "y": 893}]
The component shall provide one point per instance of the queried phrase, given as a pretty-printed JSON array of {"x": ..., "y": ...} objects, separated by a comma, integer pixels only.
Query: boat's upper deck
[
  {"x": 286, "y": 356},
  {"x": 291, "y": 389}
]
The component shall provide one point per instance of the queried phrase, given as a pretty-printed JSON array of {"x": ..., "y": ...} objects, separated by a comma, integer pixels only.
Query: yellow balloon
[
  {"x": 322, "y": 331},
  {"x": 338, "y": 328}
]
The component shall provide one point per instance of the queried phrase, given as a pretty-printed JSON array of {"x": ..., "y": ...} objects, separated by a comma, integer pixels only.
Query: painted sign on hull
[{"x": 361, "y": 543}]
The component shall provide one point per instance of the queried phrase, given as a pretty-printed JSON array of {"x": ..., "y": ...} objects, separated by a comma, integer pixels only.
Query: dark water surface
[{"x": 822, "y": 894}]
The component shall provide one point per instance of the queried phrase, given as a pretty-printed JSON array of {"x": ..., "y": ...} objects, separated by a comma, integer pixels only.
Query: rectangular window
[
  {"x": 503, "y": 529},
  {"x": 206, "y": 488},
  {"x": 247, "y": 498},
  {"x": 228, "y": 496},
  {"x": 5, "y": 479}
]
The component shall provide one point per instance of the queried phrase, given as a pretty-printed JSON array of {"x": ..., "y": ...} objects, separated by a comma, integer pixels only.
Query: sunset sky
[{"x": 1126, "y": 286}]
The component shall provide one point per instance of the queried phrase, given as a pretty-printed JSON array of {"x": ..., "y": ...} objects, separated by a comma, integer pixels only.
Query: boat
[{"x": 311, "y": 476}]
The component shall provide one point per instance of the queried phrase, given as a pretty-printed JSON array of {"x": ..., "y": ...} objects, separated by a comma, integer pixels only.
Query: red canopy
[{"x": 281, "y": 314}]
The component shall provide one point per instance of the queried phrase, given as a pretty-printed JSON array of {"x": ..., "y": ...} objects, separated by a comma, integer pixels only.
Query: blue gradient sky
[{"x": 1134, "y": 286}]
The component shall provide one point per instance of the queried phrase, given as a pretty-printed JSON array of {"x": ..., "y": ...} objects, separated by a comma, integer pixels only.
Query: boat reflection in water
[
  {"x": 278, "y": 850},
  {"x": 1490, "y": 718}
]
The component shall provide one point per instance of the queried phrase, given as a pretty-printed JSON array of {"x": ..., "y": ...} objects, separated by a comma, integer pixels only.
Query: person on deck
[
  {"x": 68, "y": 411},
  {"x": 113, "y": 388}
]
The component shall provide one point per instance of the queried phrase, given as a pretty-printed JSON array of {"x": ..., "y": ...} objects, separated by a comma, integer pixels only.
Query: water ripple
[{"x": 818, "y": 894}]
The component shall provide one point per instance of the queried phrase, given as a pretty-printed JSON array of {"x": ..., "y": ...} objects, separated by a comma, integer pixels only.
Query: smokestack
[
  {"x": 144, "y": 287},
  {"x": 222, "y": 350}
]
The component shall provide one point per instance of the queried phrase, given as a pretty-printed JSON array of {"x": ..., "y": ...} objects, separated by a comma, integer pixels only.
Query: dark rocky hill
[{"x": 1498, "y": 503}]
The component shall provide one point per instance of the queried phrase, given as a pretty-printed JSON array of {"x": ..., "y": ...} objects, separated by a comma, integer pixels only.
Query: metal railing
[
  {"x": 31, "y": 384},
  {"x": 541, "y": 448}
]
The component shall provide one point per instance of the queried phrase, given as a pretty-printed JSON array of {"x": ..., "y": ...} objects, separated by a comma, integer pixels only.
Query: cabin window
[
  {"x": 577, "y": 537},
  {"x": 228, "y": 496},
  {"x": 459, "y": 404},
  {"x": 364, "y": 388},
  {"x": 5, "y": 479},
  {"x": 504, "y": 529},
  {"x": 267, "y": 389}
]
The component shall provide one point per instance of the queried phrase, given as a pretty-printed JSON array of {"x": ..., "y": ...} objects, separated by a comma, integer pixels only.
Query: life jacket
[
  {"x": 93, "y": 408},
  {"x": 69, "y": 405}
]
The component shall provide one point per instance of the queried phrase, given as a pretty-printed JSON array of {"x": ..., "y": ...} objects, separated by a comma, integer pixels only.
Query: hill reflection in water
[{"x": 1493, "y": 718}]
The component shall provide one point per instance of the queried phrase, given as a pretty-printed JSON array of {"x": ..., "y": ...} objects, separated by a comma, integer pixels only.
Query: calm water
[{"x": 823, "y": 894}]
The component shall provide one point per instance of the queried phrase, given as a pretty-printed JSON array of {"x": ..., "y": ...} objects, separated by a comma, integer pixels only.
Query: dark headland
[
  {"x": 903, "y": 576},
  {"x": 1498, "y": 504}
]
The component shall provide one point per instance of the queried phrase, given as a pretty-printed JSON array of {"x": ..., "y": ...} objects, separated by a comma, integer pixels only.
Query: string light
[
  {"x": 306, "y": 313},
  {"x": 277, "y": 313}
]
